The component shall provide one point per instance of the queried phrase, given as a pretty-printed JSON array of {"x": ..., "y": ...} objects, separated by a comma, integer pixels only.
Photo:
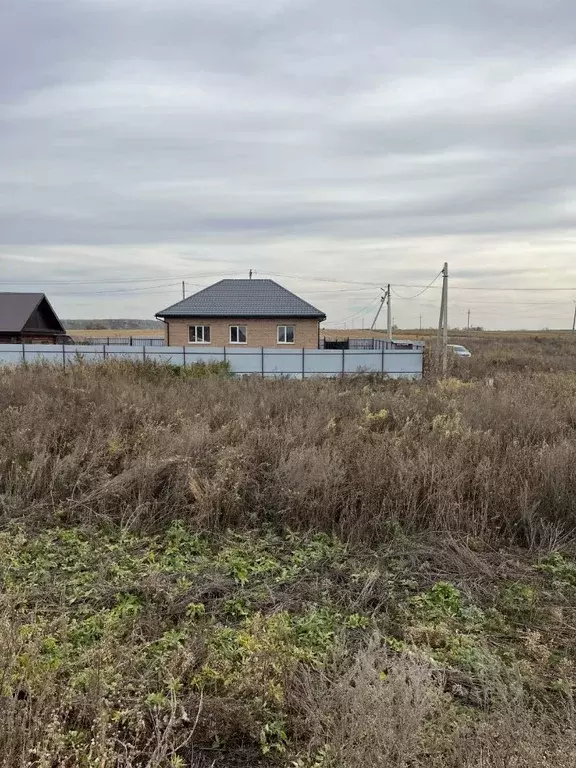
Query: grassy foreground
[{"x": 210, "y": 572}]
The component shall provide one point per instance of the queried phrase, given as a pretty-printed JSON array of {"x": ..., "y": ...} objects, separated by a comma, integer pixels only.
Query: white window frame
[
  {"x": 285, "y": 327},
  {"x": 237, "y": 327},
  {"x": 196, "y": 328}
]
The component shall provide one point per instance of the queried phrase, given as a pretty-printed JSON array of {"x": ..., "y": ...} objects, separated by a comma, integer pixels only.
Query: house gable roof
[
  {"x": 19, "y": 311},
  {"x": 243, "y": 298}
]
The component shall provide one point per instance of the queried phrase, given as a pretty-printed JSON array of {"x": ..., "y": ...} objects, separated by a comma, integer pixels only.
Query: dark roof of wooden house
[{"x": 28, "y": 313}]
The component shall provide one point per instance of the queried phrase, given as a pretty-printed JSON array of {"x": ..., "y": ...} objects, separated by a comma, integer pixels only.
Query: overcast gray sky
[{"x": 369, "y": 140}]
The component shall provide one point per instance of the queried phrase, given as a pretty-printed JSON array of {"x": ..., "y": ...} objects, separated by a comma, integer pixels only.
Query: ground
[{"x": 200, "y": 571}]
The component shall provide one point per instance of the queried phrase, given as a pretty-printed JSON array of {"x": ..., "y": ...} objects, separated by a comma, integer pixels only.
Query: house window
[
  {"x": 286, "y": 334},
  {"x": 238, "y": 334},
  {"x": 199, "y": 334}
]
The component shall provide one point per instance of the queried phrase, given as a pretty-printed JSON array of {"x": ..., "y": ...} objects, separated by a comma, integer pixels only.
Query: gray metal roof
[
  {"x": 16, "y": 308},
  {"x": 243, "y": 298}
]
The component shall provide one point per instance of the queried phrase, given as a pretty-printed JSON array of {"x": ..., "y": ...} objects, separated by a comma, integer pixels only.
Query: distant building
[
  {"x": 28, "y": 317},
  {"x": 252, "y": 313}
]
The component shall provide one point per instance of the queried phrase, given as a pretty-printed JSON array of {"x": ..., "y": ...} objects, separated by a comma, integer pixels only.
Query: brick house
[
  {"x": 253, "y": 313},
  {"x": 29, "y": 317}
]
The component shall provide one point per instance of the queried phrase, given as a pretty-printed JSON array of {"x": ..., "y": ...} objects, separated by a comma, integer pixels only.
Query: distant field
[{"x": 147, "y": 333}]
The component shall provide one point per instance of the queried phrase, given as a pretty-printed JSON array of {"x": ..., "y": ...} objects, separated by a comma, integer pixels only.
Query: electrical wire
[
  {"x": 321, "y": 279},
  {"x": 125, "y": 279},
  {"x": 357, "y": 314},
  {"x": 157, "y": 281},
  {"x": 453, "y": 287},
  {"x": 409, "y": 298}
]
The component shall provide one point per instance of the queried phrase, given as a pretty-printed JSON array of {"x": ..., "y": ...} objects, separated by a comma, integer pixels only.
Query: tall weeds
[{"x": 360, "y": 458}]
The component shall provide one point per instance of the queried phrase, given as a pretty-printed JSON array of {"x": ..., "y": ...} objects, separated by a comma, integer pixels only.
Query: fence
[
  {"x": 294, "y": 363},
  {"x": 370, "y": 343},
  {"x": 138, "y": 341}
]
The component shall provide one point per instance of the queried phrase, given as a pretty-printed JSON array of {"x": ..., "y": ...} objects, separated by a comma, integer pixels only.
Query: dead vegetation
[
  {"x": 320, "y": 574},
  {"x": 357, "y": 458}
]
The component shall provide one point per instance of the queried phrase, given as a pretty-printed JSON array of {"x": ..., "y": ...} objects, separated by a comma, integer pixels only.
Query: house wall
[
  {"x": 30, "y": 338},
  {"x": 261, "y": 331}
]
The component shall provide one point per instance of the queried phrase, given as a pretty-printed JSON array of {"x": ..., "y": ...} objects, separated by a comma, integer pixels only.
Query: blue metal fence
[
  {"x": 262, "y": 361},
  {"x": 138, "y": 341}
]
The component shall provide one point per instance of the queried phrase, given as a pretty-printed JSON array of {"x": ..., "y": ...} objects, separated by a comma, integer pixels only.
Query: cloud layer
[{"x": 359, "y": 141}]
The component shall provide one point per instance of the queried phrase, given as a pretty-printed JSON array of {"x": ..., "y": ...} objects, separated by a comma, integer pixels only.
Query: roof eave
[{"x": 243, "y": 316}]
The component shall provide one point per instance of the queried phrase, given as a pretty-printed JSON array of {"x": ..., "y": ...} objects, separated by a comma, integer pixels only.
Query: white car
[{"x": 459, "y": 350}]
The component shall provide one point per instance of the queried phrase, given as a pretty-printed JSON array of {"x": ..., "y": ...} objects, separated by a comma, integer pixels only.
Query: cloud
[{"x": 363, "y": 141}]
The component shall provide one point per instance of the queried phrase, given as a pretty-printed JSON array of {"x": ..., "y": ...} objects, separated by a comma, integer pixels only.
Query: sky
[{"x": 335, "y": 146}]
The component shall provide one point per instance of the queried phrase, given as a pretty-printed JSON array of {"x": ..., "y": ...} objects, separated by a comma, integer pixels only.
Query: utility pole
[
  {"x": 389, "y": 307},
  {"x": 250, "y": 275},
  {"x": 574, "y": 321},
  {"x": 468, "y": 319},
  {"x": 183, "y": 289},
  {"x": 382, "y": 300},
  {"x": 420, "y": 322},
  {"x": 443, "y": 324}
]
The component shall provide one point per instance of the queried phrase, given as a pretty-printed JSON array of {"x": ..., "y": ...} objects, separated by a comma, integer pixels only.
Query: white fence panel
[
  {"x": 168, "y": 355},
  {"x": 362, "y": 360},
  {"x": 210, "y": 355},
  {"x": 323, "y": 362},
  {"x": 282, "y": 362},
  {"x": 403, "y": 363},
  {"x": 85, "y": 354},
  {"x": 245, "y": 360},
  {"x": 45, "y": 353},
  {"x": 124, "y": 352},
  {"x": 10, "y": 354}
]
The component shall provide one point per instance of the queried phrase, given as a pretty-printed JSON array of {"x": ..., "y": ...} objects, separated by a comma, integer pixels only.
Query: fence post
[
  {"x": 262, "y": 359},
  {"x": 144, "y": 353},
  {"x": 63, "y": 356},
  {"x": 224, "y": 348},
  {"x": 382, "y": 359},
  {"x": 343, "y": 362},
  {"x": 184, "y": 354},
  {"x": 103, "y": 351},
  {"x": 303, "y": 363},
  {"x": 131, "y": 342},
  {"x": 23, "y": 352}
]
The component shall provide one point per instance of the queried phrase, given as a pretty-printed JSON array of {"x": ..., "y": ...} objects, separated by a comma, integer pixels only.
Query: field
[
  {"x": 200, "y": 571},
  {"x": 147, "y": 333}
]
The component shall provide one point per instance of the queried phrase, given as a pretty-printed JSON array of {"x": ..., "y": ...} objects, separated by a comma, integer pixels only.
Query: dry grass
[
  {"x": 318, "y": 574},
  {"x": 350, "y": 457},
  {"x": 387, "y": 711}
]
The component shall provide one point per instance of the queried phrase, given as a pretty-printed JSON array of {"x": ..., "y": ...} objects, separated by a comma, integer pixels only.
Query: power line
[
  {"x": 364, "y": 309},
  {"x": 421, "y": 292},
  {"x": 103, "y": 281},
  {"x": 154, "y": 289},
  {"x": 356, "y": 314},
  {"x": 484, "y": 288},
  {"x": 322, "y": 279},
  {"x": 307, "y": 278}
]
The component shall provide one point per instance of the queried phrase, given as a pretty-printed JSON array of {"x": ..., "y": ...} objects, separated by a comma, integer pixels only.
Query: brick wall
[{"x": 261, "y": 332}]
